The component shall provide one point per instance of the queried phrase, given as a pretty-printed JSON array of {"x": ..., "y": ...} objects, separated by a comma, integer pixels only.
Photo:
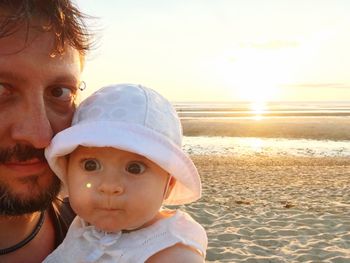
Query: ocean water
[
  {"x": 194, "y": 110},
  {"x": 247, "y": 146}
]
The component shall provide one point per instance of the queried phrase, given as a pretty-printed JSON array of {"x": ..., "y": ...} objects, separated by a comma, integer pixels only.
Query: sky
[{"x": 223, "y": 50}]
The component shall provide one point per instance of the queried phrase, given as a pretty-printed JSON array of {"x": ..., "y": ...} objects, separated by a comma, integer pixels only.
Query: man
[{"x": 42, "y": 49}]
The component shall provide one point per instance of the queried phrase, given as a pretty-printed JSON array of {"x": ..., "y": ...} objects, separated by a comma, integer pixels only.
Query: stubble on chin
[{"x": 36, "y": 198}]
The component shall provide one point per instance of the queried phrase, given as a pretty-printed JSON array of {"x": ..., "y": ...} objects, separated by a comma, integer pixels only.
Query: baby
[{"x": 120, "y": 161}]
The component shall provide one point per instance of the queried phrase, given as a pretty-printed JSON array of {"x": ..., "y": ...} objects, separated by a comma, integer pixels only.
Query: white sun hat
[{"x": 131, "y": 118}]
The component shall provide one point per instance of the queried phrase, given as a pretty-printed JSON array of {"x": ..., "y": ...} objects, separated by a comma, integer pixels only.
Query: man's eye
[
  {"x": 91, "y": 165},
  {"x": 62, "y": 93},
  {"x": 135, "y": 168},
  {"x": 4, "y": 89}
]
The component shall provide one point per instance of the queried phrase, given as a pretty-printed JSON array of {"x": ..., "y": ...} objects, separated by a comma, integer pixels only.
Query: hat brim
[{"x": 133, "y": 138}]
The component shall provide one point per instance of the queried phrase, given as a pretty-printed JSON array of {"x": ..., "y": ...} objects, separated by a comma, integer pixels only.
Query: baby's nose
[{"x": 109, "y": 188}]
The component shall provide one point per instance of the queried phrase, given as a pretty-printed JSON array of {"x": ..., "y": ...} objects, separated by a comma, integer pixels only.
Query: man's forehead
[
  {"x": 32, "y": 61},
  {"x": 23, "y": 38},
  {"x": 39, "y": 42}
]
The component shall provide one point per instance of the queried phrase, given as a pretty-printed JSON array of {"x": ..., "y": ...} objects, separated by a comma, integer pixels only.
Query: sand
[{"x": 274, "y": 209}]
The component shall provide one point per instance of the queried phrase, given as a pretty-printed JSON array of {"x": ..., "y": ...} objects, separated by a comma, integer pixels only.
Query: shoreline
[
  {"x": 212, "y": 161},
  {"x": 336, "y": 129}
]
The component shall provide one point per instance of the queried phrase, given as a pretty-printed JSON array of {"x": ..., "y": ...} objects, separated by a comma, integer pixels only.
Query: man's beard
[{"x": 13, "y": 205}]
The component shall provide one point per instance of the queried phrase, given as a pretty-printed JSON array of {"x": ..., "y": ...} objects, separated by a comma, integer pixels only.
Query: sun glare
[
  {"x": 256, "y": 75},
  {"x": 258, "y": 108},
  {"x": 256, "y": 144}
]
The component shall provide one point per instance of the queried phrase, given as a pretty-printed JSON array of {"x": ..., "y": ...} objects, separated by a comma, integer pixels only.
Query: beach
[
  {"x": 274, "y": 209},
  {"x": 275, "y": 185}
]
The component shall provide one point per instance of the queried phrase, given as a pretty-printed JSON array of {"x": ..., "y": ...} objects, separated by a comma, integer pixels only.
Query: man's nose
[{"x": 32, "y": 125}]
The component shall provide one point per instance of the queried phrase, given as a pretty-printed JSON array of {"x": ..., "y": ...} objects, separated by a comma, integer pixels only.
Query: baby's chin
[
  {"x": 116, "y": 223},
  {"x": 111, "y": 226}
]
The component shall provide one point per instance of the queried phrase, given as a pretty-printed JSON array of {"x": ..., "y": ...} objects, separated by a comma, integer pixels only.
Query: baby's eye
[
  {"x": 91, "y": 165},
  {"x": 135, "y": 168}
]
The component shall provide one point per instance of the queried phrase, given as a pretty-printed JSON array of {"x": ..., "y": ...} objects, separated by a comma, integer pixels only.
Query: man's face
[{"x": 37, "y": 94}]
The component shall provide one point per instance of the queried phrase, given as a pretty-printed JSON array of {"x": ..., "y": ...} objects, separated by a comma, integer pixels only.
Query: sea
[{"x": 326, "y": 111}]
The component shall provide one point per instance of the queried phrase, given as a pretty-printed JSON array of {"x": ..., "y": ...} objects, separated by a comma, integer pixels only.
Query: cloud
[
  {"x": 274, "y": 44},
  {"x": 319, "y": 85}
]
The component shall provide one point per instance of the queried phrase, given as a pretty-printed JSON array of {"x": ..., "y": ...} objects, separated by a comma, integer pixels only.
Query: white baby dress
[{"x": 84, "y": 243}]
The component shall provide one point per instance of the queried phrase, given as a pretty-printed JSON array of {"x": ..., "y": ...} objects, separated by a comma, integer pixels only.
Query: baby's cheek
[{"x": 79, "y": 200}]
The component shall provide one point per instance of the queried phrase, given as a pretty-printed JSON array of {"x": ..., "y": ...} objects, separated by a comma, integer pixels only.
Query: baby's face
[{"x": 113, "y": 189}]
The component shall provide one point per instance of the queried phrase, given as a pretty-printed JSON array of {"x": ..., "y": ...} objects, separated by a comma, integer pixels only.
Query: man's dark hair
[{"x": 58, "y": 16}]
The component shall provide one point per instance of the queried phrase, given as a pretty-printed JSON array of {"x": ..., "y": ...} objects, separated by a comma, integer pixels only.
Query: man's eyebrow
[
  {"x": 65, "y": 79},
  {"x": 9, "y": 75}
]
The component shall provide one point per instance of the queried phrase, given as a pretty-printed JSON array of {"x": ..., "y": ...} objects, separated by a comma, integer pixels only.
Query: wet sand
[
  {"x": 321, "y": 128},
  {"x": 274, "y": 209}
]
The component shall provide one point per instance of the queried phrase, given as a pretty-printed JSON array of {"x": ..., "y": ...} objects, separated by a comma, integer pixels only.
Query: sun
[{"x": 256, "y": 76}]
